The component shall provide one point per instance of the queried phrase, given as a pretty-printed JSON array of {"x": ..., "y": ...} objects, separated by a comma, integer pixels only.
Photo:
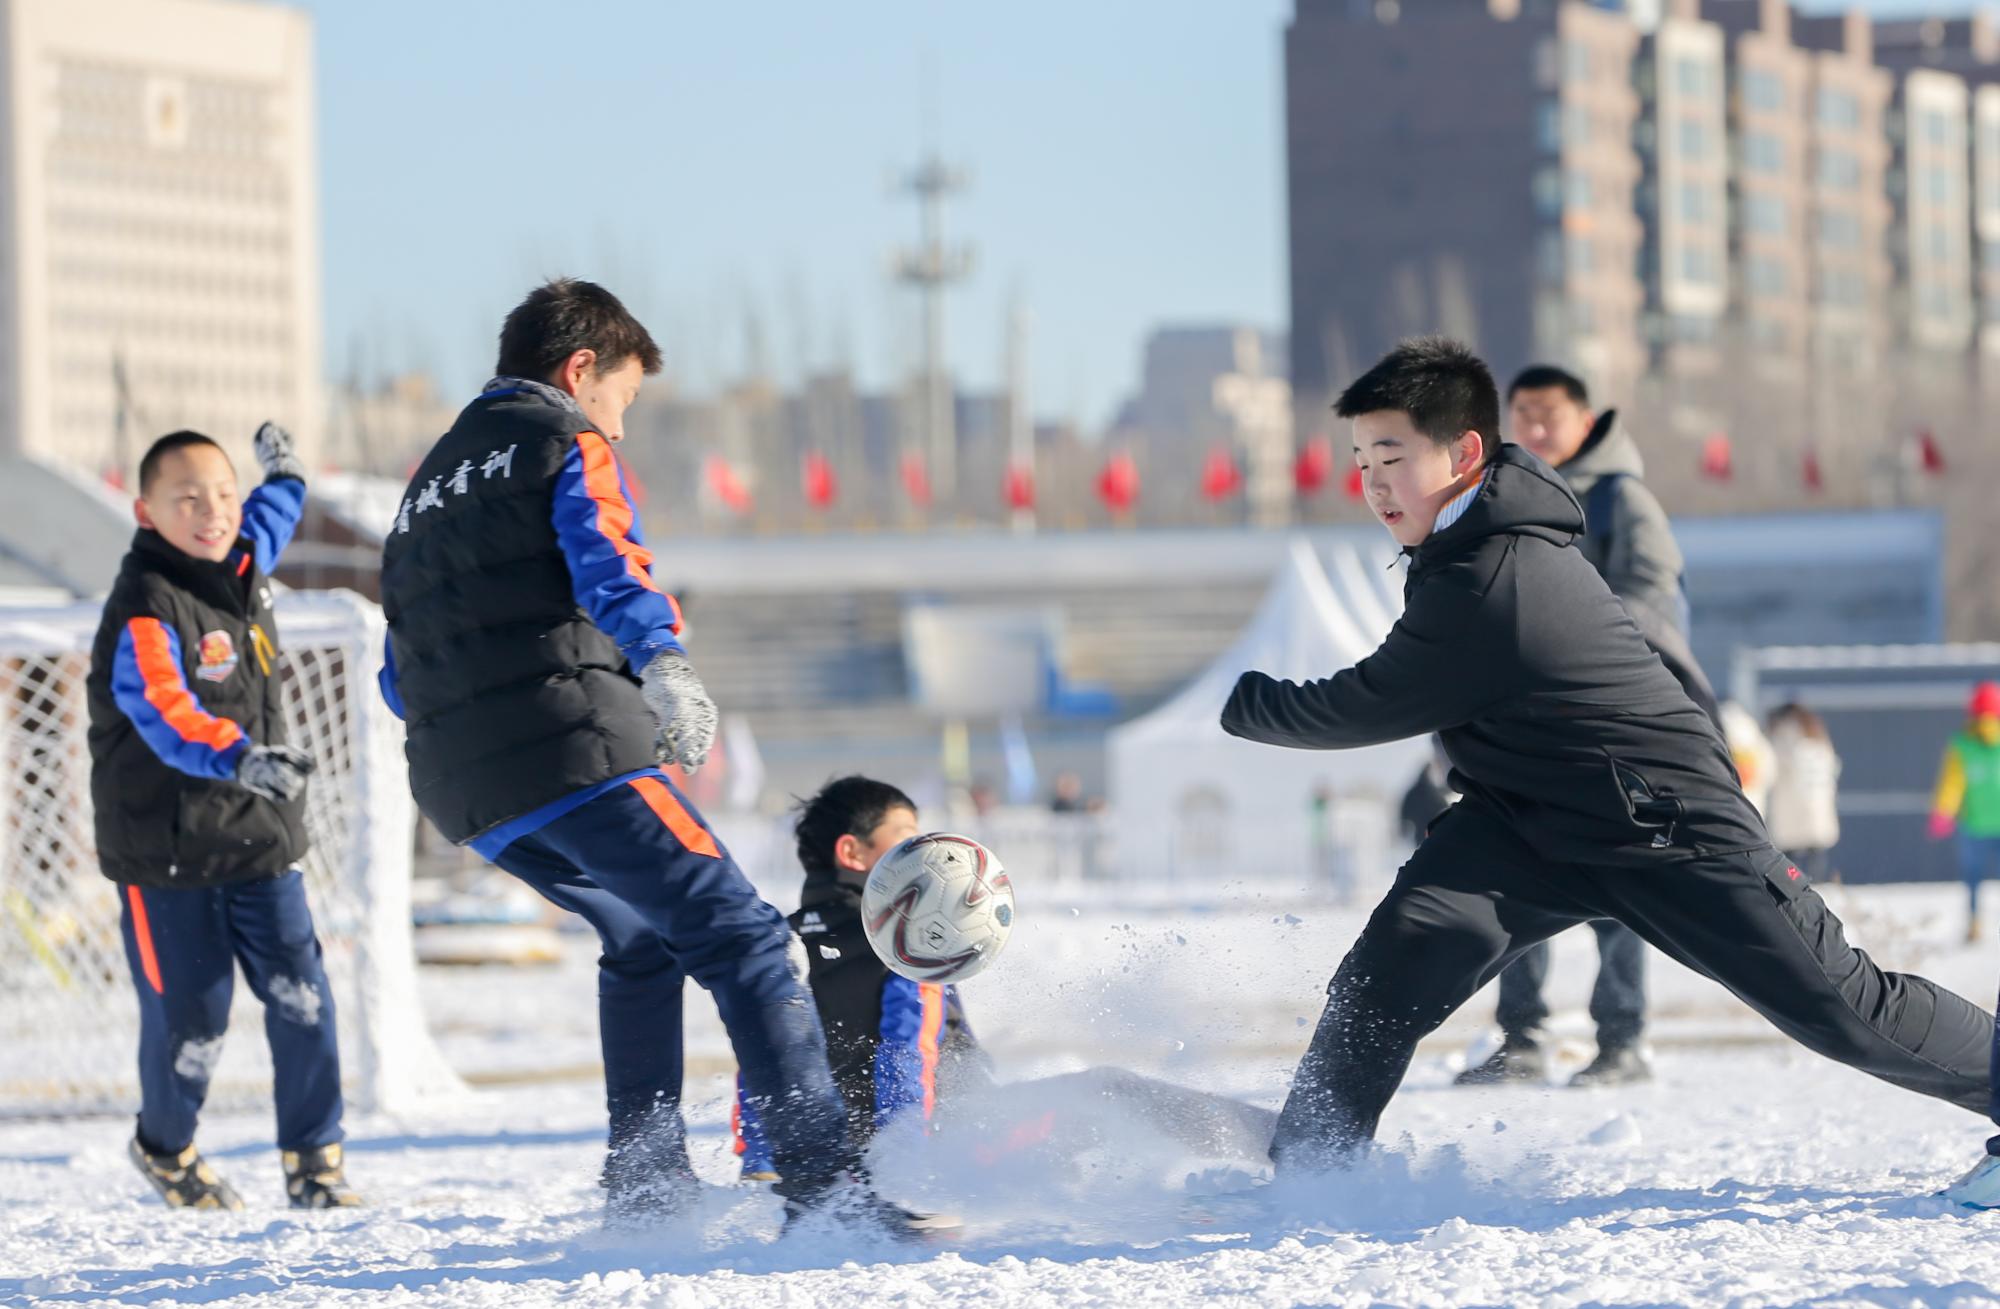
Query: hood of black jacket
[
  {"x": 1608, "y": 451},
  {"x": 1521, "y": 496},
  {"x": 825, "y": 890}
]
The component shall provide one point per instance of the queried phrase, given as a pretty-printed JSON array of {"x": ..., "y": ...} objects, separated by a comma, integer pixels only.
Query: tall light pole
[{"x": 931, "y": 268}]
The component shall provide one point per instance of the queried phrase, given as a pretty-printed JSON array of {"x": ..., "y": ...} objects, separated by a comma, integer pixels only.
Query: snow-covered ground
[{"x": 1749, "y": 1173}]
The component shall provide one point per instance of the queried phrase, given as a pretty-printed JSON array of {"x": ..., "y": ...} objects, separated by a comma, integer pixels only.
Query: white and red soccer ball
[{"x": 938, "y": 908}]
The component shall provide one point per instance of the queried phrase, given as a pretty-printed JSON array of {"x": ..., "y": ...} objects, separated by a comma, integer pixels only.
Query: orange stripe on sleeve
[
  {"x": 142, "y": 930},
  {"x": 167, "y": 692},
  {"x": 662, "y": 801},
  {"x": 932, "y": 1026},
  {"x": 614, "y": 511}
]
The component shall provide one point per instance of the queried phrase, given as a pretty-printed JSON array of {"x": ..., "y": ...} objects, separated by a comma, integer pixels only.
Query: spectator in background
[
  {"x": 1968, "y": 797},
  {"x": 1068, "y": 795},
  {"x": 1800, "y": 810},
  {"x": 1756, "y": 766},
  {"x": 1628, "y": 540},
  {"x": 1428, "y": 797}
]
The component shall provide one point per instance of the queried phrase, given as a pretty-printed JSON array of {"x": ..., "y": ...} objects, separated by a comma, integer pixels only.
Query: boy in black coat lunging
[{"x": 1593, "y": 786}]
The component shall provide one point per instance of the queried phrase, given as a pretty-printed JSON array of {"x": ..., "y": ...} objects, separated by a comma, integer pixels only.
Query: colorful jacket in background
[
  {"x": 183, "y": 680},
  {"x": 1968, "y": 788}
]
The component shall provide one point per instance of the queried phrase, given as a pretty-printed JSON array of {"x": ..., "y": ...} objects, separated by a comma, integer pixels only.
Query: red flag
[
  {"x": 816, "y": 479},
  {"x": 1314, "y": 466},
  {"x": 726, "y": 486},
  {"x": 1353, "y": 486},
  {"x": 916, "y": 479},
  {"x": 635, "y": 487},
  {"x": 1929, "y": 456},
  {"x": 114, "y": 477},
  {"x": 1717, "y": 460},
  {"x": 1220, "y": 478},
  {"x": 1118, "y": 483},
  {"x": 1810, "y": 474},
  {"x": 1018, "y": 489}
]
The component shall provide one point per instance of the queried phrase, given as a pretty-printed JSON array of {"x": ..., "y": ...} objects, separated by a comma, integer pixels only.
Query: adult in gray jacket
[{"x": 1628, "y": 540}]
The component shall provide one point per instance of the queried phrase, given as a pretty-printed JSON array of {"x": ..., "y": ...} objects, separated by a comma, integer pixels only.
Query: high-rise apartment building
[
  {"x": 1740, "y": 218},
  {"x": 1967, "y": 50},
  {"x": 1462, "y": 166},
  {"x": 1683, "y": 143},
  {"x": 159, "y": 251}
]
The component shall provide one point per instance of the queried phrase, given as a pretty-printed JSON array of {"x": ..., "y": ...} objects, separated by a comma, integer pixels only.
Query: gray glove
[
  {"x": 276, "y": 772},
  {"x": 275, "y": 452},
  {"x": 682, "y": 708}
]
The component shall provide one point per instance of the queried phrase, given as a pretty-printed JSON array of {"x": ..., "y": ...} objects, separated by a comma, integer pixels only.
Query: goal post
[{"x": 68, "y": 1015}]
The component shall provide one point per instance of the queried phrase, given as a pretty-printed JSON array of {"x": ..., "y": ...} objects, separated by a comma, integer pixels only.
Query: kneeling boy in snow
[
  {"x": 1593, "y": 786},
  {"x": 893, "y": 1043}
]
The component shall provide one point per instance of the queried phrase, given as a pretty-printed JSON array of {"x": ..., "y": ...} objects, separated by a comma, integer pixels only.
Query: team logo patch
[{"x": 217, "y": 657}]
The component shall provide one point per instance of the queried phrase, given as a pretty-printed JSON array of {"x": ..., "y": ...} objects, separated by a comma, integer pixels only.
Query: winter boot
[
  {"x": 1615, "y": 1065},
  {"x": 1978, "y": 1189},
  {"x": 1519, "y": 1059},
  {"x": 315, "y": 1179},
  {"x": 184, "y": 1180},
  {"x": 646, "y": 1184},
  {"x": 852, "y": 1207}
]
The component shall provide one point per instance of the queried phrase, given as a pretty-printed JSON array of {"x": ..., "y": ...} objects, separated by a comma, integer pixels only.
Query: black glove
[{"x": 276, "y": 772}]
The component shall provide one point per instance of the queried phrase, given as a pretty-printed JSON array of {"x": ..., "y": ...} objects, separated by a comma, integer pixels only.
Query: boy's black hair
[
  {"x": 1540, "y": 377},
  {"x": 156, "y": 453},
  {"x": 846, "y": 806},
  {"x": 1445, "y": 389},
  {"x": 564, "y": 316}
]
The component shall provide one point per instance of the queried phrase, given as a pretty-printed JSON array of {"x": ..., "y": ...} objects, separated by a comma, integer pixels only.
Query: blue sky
[{"x": 728, "y": 163}]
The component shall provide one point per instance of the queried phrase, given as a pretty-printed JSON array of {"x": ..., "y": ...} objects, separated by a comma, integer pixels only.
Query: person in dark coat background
[{"x": 1628, "y": 540}]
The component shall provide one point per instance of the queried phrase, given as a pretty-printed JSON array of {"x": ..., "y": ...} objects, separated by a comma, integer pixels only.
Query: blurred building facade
[
  {"x": 159, "y": 248},
  {"x": 1740, "y": 220},
  {"x": 1212, "y": 421}
]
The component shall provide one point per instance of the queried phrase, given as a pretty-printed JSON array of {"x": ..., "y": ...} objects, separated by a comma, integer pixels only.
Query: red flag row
[{"x": 1222, "y": 478}]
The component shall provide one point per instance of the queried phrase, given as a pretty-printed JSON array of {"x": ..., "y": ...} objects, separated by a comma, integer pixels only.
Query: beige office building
[{"x": 159, "y": 246}]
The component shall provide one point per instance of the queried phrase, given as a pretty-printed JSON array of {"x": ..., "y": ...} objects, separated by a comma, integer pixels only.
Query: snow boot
[
  {"x": 852, "y": 1206},
  {"x": 1519, "y": 1059},
  {"x": 1978, "y": 1189},
  {"x": 316, "y": 1179},
  {"x": 184, "y": 1179},
  {"x": 1615, "y": 1065},
  {"x": 646, "y": 1183}
]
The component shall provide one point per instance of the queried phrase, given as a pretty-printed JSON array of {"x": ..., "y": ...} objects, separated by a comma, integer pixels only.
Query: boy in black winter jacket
[
  {"x": 1593, "y": 786},
  {"x": 895, "y": 1046},
  {"x": 200, "y": 814}
]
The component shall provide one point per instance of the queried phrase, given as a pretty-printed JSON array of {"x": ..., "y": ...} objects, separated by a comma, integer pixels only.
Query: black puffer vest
[
  {"x": 158, "y": 826},
  {"x": 513, "y": 697}
]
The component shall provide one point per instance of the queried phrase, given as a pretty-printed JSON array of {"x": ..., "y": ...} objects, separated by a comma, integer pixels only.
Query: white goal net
[{"x": 68, "y": 1015}]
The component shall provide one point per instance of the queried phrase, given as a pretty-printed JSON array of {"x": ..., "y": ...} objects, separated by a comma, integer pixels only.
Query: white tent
[{"x": 1194, "y": 804}]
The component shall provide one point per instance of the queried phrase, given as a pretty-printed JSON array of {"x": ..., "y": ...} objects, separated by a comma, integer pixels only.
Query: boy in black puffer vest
[
  {"x": 541, "y": 672},
  {"x": 201, "y": 817}
]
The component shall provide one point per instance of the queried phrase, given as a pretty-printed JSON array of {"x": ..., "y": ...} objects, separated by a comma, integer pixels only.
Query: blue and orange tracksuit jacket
[{"x": 184, "y": 678}]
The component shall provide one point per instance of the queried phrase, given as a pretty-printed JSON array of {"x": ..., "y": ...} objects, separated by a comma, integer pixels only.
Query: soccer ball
[{"x": 938, "y": 908}]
